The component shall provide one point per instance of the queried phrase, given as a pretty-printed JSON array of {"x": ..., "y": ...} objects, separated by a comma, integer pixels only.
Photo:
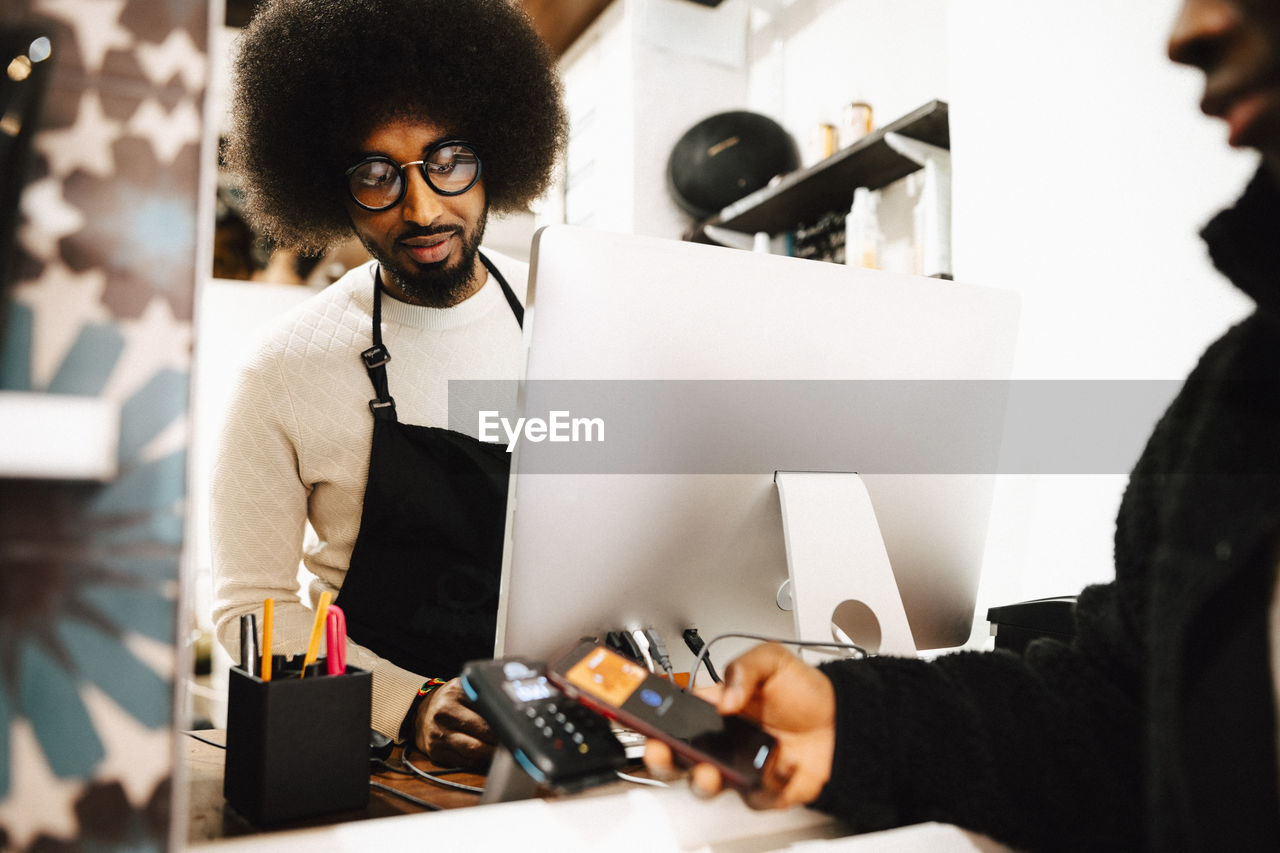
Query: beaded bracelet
[{"x": 431, "y": 685}]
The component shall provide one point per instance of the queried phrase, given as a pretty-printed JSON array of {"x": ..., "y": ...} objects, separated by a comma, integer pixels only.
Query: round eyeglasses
[{"x": 378, "y": 183}]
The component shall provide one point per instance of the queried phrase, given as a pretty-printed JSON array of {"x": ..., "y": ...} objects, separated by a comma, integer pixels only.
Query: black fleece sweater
[{"x": 1155, "y": 729}]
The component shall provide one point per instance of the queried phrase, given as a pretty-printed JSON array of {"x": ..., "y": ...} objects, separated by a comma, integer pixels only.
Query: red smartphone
[{"x": 621, "y": 689}]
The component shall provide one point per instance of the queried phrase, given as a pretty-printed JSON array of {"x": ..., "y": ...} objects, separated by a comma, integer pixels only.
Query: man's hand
[
  {"x": 795, "y": 703},
  {"x": 449, "y": 731}
]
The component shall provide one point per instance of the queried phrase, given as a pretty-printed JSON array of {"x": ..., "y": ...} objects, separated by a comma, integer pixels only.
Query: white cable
[
  {"x": 643, "y": 643},
  {"x": 641, "y": 781}
]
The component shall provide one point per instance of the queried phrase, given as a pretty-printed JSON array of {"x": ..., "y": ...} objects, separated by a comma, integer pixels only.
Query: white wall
[
  {"x": 691, "y": 64},
  {"x": 814, "y": 56},
  {"x": 642, "y": 74},
  {"x": 1083, "y": 171}
]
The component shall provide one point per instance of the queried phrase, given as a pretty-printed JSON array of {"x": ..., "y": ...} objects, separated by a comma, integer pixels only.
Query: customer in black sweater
[{"x": 1156, "y": 728}]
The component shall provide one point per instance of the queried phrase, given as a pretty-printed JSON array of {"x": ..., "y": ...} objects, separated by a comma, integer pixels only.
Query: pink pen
[{"x": 335, "y": 624}]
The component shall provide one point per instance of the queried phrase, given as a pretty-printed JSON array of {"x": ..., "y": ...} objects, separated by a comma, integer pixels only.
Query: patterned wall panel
[{"x": 101, "y": 305}]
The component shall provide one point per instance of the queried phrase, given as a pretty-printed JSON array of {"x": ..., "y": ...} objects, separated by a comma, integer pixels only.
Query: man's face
[
  {"x": 426, "y": 244},
  {"x": 1236, "y": 43}
]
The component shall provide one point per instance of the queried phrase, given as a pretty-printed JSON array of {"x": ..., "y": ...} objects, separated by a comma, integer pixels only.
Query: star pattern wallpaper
[{"x": 98, "y": 302}]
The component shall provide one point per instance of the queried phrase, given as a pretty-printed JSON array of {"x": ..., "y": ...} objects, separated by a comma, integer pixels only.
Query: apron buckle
[
  {"x": 375, "y": 356},
  {"x": 376, "y": 404}
]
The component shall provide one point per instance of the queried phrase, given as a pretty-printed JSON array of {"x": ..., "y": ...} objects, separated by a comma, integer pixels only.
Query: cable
[
  {"x": 642, "y": 642},
  {"x": 805, "y": 644},
  {"x": 434, "y": 777},
  {"x": 697, "y": 646},
  {"x": 205, "y": 740},
  {"x": 659, "y": 651},
  {"x": 380, "y": 766},
  {"x": 387, "y": 789},
  {"x": 623, "y": 643},
  {"x": 639, "y": 780}
]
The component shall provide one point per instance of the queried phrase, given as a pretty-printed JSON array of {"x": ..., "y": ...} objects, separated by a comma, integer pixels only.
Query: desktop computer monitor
[{"x": 668, "y": 381}]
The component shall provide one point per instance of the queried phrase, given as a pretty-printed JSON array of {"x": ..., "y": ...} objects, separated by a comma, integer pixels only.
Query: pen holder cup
[{"x": 297, "y": 747}]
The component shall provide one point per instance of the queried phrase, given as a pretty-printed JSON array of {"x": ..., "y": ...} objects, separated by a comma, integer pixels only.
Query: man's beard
[{"x": 437, "y": 285}]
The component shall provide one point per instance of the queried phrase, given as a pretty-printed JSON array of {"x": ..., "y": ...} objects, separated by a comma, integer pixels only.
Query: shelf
[{"x": 806, "y": 194}]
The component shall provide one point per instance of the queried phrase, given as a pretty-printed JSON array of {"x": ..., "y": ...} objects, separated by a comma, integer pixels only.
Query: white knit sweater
[{"x": 295, "y": 448}]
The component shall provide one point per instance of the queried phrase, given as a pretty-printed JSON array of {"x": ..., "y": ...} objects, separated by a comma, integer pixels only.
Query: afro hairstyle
[{"x": 315, "y": 77}]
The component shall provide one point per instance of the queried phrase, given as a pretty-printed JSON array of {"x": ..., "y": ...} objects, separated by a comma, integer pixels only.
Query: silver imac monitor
[{"x": 667, "y": 382}]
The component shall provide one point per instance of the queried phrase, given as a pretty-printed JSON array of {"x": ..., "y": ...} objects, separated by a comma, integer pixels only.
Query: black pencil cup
[{"x": 297, "y": 747}]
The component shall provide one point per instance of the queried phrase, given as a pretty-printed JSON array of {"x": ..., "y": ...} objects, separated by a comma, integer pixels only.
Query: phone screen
[{"x": 658, "y": 708}]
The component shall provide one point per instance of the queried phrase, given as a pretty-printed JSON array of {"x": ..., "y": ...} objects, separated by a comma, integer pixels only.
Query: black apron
[{"x": 422, "y": 586}]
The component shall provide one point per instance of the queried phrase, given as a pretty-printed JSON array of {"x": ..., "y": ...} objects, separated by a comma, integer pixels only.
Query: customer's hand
[
  {"x": 792, "y": 701},
  {"x": 450, "y": 731}
]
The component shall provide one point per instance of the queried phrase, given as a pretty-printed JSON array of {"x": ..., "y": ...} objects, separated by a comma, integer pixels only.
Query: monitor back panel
[{"x": 698, "y": 356}]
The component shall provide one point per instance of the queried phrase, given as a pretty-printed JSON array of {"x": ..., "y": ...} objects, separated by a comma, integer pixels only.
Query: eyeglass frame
[{"x": 402, "y": 168}]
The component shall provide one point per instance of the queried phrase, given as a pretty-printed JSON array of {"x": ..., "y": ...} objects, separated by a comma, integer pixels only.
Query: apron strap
[
  {"x": 516, "y": 307},
  {"x": 376, "y": 357},
  {"x": 375, "y": 360}
]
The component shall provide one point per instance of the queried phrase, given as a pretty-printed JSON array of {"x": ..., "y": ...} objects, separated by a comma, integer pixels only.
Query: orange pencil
[
  {"x": 317, "y": 631},
  {"x": 268, "y": 606}
]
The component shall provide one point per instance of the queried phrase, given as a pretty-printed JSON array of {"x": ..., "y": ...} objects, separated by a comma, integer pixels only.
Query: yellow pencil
[
  {"x": 317, "y": 631},
  {"x": 268, "y": 608}
]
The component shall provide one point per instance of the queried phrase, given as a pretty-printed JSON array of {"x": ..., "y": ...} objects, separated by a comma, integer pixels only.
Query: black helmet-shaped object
[{"x": 725, "y": 157}]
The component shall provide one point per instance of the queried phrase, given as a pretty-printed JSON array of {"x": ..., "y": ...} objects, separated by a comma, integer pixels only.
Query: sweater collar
[
  {"x": 1244, "y": 242},
  {"x": 488, "y": 298}
]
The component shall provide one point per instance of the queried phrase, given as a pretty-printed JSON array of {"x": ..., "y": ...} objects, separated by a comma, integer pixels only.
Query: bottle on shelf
[
  {"x": 863, "y": 241},
  {"x": 855, "y": 122}
]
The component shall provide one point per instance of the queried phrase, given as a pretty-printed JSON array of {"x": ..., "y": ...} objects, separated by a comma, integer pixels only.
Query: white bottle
[
  {"x": 931, "y": 221},
  {"x": 863, "y": 239}
]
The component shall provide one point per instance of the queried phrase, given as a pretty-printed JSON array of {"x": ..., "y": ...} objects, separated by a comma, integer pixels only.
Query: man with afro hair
[{"x": 405, "y": 123}]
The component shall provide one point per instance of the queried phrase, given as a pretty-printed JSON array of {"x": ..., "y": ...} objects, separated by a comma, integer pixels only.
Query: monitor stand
[
  {"x": 838, "y": 566},
  {"x": 507, "y": 781}
]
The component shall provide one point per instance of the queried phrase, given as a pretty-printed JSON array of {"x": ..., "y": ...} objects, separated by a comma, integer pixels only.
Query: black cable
[
  {"x": 623, "y": 643},
  {"x": 804, "y": 644},
  {"x": 696, "y": 645},
  {"x": 378, "y": 765},
  {"x": 387, "y": 789},
  {"x": 434, "y": 776},
  {"x": 205, "y": 740}
]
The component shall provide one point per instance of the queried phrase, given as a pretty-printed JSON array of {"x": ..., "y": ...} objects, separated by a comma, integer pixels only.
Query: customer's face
[
  {"x": 1236, "y": 43},
  {"x": 427, "y": 243}
]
